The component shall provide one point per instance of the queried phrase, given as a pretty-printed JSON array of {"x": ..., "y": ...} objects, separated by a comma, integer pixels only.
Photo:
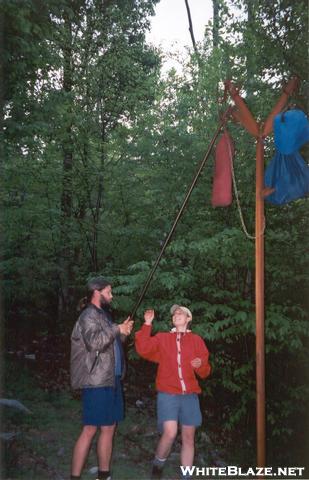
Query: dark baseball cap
[{"x": 97, "y": 283}]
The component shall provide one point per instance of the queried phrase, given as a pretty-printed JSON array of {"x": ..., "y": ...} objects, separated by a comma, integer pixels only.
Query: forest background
[{"x": 97, "y": 151}]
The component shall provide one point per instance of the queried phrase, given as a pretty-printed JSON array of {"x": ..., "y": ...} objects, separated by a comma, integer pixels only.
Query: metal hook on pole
[{"x": 223, "y": 120}]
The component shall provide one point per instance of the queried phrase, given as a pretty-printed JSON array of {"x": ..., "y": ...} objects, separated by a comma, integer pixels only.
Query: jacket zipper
[
  {"x": 95, "y": 360},
  {"x": 182, "y": 383}
]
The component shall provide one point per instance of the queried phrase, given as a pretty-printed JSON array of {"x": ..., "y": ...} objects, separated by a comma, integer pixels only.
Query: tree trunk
[
  {"x": 191, "y": 27},
  {"x": 215, "y": 23},
  {"x": 98, "y": 206},
  {"x": 250, "y": 60},
  {"x": 1, "y": 74},
  {"x": 67, "y": 193}
]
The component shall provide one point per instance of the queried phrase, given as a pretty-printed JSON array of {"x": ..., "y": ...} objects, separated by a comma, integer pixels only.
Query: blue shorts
[
  {"x": 103, "y": 406},
  {"x": 185, "y": 409}
]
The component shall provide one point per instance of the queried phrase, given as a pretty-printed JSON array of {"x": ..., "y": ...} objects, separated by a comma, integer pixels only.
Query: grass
[{"x": 42, "y": 450}]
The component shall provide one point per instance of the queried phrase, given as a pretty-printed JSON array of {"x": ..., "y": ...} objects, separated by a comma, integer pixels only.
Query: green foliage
[
  {"x": 134, "y": 141},
  {"x": 86, "y": 68}
]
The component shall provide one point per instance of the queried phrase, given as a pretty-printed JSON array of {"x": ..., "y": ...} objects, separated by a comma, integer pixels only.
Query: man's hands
[
  {"x": 126, "y": 327},
  {"x": 149, "y": 316}
]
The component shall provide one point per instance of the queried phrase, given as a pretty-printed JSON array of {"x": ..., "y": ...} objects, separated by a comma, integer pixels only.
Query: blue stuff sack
[
  {"x": 291, "y": 131},
  {"x": 289, "y": 175}
]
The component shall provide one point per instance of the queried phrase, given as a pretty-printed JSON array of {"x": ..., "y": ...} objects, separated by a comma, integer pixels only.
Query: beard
[{"x": 103, "y": 301}]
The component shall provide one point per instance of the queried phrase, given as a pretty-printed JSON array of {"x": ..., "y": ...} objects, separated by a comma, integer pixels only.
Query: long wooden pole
[
  {"x": 198, "y": 172},
  {"x": 259, "y": 304}
]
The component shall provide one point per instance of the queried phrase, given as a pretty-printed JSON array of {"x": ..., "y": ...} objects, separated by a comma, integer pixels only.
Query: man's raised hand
[{"x": 126, "y": 326}]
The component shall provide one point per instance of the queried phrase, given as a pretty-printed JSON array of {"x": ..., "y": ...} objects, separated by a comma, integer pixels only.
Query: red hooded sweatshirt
[{"x": 173, "y": 352}]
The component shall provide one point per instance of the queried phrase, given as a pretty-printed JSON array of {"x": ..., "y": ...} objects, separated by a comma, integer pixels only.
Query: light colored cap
[{"x": 184, "y": 309}]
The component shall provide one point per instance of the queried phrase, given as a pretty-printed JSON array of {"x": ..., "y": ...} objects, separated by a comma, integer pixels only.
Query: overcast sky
[{"x": 170, "y": 24}]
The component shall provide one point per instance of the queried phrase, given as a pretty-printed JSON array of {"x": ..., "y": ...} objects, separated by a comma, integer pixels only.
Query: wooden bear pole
[{"x": 260, "y": 131}]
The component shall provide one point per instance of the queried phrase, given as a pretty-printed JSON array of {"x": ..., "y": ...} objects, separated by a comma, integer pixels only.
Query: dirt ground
[{"x": 42, "y": 446}]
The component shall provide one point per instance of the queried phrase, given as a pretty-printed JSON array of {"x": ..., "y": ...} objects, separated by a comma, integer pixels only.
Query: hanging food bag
[
  {"x": 291, "y": 131},
  {"x": 288, "y": 173},
  {"x": 289, "y": 176},
  {"x": 222, "y": 183}
]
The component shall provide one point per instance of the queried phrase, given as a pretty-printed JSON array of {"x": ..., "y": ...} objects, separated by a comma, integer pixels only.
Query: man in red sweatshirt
[{"x": 181, "y": 355}]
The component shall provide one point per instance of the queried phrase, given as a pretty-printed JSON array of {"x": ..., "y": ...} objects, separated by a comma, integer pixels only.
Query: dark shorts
[
  {"x": 103, "y": 406},
  {"x": 185, "y": 409}
]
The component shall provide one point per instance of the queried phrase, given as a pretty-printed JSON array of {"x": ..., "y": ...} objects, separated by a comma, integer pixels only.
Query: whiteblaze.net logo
[{"x": 234, "y": 471}]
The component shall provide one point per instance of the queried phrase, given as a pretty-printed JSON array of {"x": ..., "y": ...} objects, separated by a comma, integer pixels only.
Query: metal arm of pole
[{"x": 224, "y": 118}]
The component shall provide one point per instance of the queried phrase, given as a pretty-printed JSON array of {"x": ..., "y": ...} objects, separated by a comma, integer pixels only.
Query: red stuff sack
[{"x": 222, "y": 183}]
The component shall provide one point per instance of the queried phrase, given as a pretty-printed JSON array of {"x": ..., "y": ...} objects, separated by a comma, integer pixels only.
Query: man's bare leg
[{"x": 81, "y": 449}]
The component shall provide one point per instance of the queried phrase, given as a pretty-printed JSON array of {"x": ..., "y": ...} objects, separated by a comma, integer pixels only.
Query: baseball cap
[
  {"x": 97, "y": 283},
  {"x": 184, "y": 309}
]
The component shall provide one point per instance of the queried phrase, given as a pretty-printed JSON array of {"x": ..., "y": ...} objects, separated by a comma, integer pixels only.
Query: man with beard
[{"x": 97, "y": 367}]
